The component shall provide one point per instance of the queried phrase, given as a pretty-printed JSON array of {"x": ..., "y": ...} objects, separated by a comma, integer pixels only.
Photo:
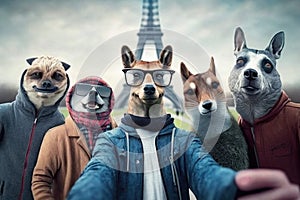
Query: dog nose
[
  {"x": 207, "y": 104},
  {"x": 250, "y": 74},
  {"x": 149, "y": 89},
  {"x": 46, "y": 84}
]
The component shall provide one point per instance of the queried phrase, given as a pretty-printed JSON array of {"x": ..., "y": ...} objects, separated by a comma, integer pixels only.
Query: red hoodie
[{"x": 274, "y": 139}]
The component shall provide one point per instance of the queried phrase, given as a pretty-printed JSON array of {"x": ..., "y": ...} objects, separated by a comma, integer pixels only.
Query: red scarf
[{"x": 94, "y": 123}]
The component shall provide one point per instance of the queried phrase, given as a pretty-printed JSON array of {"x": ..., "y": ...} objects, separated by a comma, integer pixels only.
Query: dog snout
[
  {"x": 46, "y": 84},
  {"x": 250, "y": 74},
  {"x": 207, "y": 104},
  {"x": 149, "y": 89}
]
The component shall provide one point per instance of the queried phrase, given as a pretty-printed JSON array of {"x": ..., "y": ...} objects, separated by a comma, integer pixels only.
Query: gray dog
[{"x": 269, "y": 120}]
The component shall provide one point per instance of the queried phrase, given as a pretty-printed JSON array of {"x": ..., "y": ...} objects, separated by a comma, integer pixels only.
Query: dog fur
[
  {"x": 268, "y": 118},
  {"x": 142, "y": 103},
  {"x": 45, "y": 80},
  {"x": 254, "y": 88},
  {"x": 205, "y": 103}
]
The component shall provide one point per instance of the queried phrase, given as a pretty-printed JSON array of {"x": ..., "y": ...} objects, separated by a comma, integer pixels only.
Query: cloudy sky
[{"x": 73, "y": 30}]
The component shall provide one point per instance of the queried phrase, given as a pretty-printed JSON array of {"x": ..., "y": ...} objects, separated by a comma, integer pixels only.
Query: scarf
[{"x": 91, "y": 124}]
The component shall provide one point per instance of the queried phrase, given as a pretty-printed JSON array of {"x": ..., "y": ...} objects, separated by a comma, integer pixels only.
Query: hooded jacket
[
  {"x": 274, "y": 139},
  {"x": 116, "y": 168},
  {"x": 64, "y": 152},
  {"x": 21, "y": 133}
]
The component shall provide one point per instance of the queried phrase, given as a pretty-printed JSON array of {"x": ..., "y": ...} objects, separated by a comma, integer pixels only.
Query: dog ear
[
  {"x": 65, "y": 65},
  {"x": 127, "y": 57},
  {"x": 276, "y": 44},
  {"x": 165, "y": 57},
  {"x": 239, "y": 40},
  {"x": 212, "y": 67},
  {"x": 185, "y": 73},
  {"x": 30, "y": 60}
]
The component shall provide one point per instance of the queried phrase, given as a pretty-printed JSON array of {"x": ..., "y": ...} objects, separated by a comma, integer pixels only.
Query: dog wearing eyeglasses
[
  {"x": 25, "y": 121},
  {"x": 268, "y": 118},
  {"x": 89, "y": 103},
  {"x": 147, "y": 89}
]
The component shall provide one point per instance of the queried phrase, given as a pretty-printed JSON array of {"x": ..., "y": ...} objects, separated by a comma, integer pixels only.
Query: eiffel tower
[{"x": 150, "y": 33}]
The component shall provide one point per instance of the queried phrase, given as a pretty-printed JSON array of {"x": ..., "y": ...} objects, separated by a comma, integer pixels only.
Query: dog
[
  {"x": 205, "y": 104},
  {"x": 148, "y": 80},
  {"x": 24, "y": 122},
  {"x": 268, "y": 118},
  {"x": 45, "y": 81}
]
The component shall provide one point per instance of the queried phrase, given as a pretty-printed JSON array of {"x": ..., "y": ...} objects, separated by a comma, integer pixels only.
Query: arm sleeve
[
  {"x": 47, "y": 164},
  {"x": 99, "y": 179},
  {"x": 207, "y": 179}
]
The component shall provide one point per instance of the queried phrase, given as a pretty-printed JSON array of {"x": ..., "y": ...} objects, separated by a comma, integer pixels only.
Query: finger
[
  {"x": 288, "y": 193},
  {"x": 260, "y": 178}
]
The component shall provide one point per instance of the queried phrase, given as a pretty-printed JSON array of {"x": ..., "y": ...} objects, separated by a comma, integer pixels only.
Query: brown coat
[
  {"x": 63, "y": 156},
  {"x": 277, "y": 139}
]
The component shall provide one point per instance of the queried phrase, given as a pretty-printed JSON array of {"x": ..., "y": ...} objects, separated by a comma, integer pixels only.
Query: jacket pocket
[{"x": 282, "y": 149}]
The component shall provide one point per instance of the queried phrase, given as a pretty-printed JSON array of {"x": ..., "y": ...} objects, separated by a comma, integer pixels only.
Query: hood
[
  {"x": 89, "y": 123},
  {"x": 22, "y": 100},
  {"x": 283, "y": 100}
]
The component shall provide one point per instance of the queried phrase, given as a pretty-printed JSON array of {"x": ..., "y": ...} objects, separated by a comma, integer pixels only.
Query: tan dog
[
  {"x": 206, "y": 105},
  {"x": 24, "y": 122},
  {"x": 45, "y": 80},
  {"x": 147, "y": 81}
]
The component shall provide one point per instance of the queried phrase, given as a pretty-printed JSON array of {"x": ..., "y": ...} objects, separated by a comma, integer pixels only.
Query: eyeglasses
[
  {"x": 82, "y": 89},
  {"x": 135, "y": 77}
]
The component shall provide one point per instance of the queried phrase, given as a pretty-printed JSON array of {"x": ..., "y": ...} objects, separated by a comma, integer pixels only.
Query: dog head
[
  {"x": 202, "y": 90},
  {"x": 147, "y": 81},
  {"x": 45, "y": 81},
  {"x": 91, "y": 95},
  {"x": 254, "y": 78}
]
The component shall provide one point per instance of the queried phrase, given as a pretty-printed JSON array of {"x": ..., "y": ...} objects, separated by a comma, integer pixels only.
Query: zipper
[
  {"x": 26, "y": 158},
  {"x": 254, "y": 146}
]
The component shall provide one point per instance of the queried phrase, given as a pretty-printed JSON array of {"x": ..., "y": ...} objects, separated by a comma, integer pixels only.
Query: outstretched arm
[{"x": 265, "y": 184}]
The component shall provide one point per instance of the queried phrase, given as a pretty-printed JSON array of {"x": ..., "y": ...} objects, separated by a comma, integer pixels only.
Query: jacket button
[{"x": 137, "y": 162}]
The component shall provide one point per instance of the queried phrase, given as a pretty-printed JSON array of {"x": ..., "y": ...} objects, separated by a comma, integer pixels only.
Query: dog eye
[
  {"x": 267, "y": 66},
  {"x": 214, "y": 85},
  {"x": 240, "y": 62},
  {"x": 36, "y": 75},
  {"x": 190, "y": 91},
  {"x": 58, "y": 76}
]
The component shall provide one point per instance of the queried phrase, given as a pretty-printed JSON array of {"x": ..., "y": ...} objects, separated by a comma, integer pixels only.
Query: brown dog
[
  {"x": 45, "y": 80},
  {"x": 147, "y": 81},
  {"x": 206, "y": 105},
  {"x": 24, "y": 122}
]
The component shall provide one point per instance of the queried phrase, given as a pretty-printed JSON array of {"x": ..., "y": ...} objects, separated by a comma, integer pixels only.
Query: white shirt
[{"x": 153, "y": 184}]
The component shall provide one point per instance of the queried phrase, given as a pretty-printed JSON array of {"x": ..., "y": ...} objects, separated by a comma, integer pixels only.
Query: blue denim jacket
[{"x": 116, "y": 168}]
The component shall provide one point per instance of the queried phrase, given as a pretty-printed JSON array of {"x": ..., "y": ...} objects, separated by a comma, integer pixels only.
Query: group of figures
[{"x": 87, "y": 155}]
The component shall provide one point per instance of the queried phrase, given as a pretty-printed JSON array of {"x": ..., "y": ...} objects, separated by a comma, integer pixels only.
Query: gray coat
[{"x": 21, "y": 132}]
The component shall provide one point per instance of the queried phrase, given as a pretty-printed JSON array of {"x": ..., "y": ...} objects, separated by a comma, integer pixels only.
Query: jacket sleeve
[
  {"x": 99, "y": 179},
  {"x": 207, "y": 179},
  {"x": 47, "y": 164}
]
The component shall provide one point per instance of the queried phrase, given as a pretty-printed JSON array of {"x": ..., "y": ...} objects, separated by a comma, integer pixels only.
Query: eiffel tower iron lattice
[{"x": 150, "y": 33}]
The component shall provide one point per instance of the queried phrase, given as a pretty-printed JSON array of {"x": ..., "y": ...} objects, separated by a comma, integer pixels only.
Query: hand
[{"x": 256, "y": 184}]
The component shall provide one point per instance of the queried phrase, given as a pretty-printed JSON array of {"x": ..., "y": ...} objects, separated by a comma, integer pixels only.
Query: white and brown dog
[
  {"x": 270, "y": 121},
  {"x": 205, "y": 104},
  {"x": 24, "y": 122}
]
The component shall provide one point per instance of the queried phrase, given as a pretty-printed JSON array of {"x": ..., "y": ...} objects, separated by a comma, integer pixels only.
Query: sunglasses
[
  {"x": 82, "y": 89},
  {"x": 135, "y": 77}
]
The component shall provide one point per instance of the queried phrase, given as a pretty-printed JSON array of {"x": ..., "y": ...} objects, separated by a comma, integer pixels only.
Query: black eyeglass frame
[{"x": 125, "y": 70}]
